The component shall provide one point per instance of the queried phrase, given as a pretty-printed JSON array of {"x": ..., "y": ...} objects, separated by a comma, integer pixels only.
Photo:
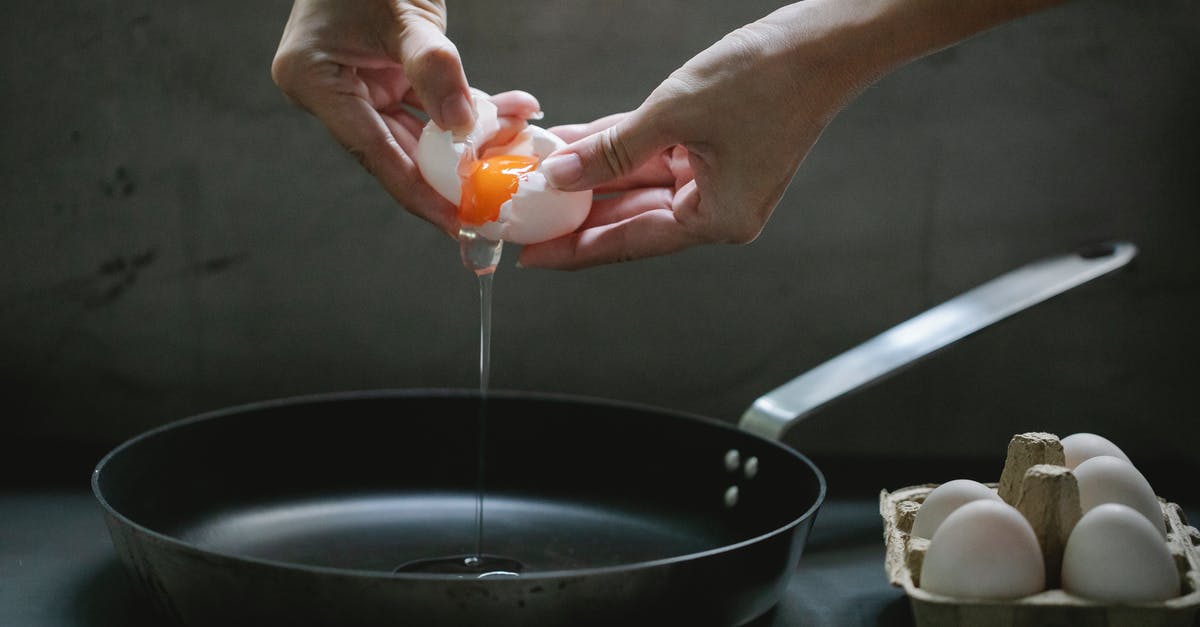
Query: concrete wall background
[{"x": 175, "y": 237}]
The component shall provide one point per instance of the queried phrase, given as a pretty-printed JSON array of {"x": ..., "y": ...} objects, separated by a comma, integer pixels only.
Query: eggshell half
[
  {"x": 985, "y": 549},
  {"x": 946, "y": 498},
  {"x": 1115, "y": 555},
  {"x": 1105, "y": 479}
]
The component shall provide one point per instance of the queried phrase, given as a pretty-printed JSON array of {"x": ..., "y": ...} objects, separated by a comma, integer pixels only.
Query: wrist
[{"x": 856, "y": 42}]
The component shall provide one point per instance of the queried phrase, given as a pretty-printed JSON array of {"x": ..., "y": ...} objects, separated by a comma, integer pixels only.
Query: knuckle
[
  {"x": 672, "y": 99},
  {"x": 283, "y": 70},
  {"x": 298, "y": 74},
  {"x": 432, "y": 60},
  {"x": 748, "y": 40},
  {"x": 615, "y": 152},
  {"x": 421, "y": 12}
]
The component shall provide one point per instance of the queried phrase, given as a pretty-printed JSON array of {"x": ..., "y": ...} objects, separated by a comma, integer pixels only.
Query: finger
[
  {"x": 413, "y": 100},
  {"x": 656, "y": 172},
  {"x": 432, "y": 65},
  {"x": 517, "y": 104},
  {"x": 411, "y": 124},
  {"x": 405, "y": 118},
  {"x": 405, "y": 138},
  {"x": 510, "y": 104},
  {"x": 365, "y": 134},
  {"x": 627, "y": 205},
  {"x": 386, "y": 86},
  {"x": 648, "y": 234},
  {"x": 608, "y": 154},
  {"x": 679, "y": 164},
  {"x": 576, "y": 132},
  {"x": 509, "y": 127}
]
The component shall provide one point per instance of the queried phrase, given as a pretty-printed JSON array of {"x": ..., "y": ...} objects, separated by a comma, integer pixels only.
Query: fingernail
[
  {"x": 563, "y": 170},
  {"x": 457, "y": 113}
]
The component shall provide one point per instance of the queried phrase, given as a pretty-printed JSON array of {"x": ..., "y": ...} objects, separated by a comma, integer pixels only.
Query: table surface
[{"x": 58, "y": 569}]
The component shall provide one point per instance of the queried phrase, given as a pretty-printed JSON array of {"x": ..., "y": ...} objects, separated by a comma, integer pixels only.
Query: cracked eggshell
[
  {"x": 537, "y": 212},
  {"x": 439, "y": 152}
]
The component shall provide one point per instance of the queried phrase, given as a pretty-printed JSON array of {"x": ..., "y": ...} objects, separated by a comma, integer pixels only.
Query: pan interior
[
  {"x": 368, "y": 482},
  {"x": 378, "y": 532}
]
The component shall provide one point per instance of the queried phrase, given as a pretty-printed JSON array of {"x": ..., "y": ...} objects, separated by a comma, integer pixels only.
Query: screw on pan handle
[{"x": 913, "y": 340}]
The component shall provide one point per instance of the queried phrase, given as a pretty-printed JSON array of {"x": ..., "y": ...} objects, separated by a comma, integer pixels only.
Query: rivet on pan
[
  {"x": 751, "y": 467},
  {"x": 733, "y": 459},
  {"x": 731, "y": 496}
]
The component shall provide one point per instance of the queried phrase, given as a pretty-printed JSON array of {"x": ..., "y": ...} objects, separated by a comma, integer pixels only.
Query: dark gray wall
[{"x": 175, "y": 237}]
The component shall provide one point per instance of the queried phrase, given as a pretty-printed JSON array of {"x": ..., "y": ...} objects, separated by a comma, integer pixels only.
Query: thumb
[
  {"x": 607, "y": 154},
  {"x": 433, "y": 67}
]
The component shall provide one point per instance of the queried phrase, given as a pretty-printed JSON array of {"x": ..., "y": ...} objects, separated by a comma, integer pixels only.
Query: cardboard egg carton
[{"x": 1044, "y": 491}]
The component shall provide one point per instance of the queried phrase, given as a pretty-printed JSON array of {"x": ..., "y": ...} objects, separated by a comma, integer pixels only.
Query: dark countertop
[{"x": 58, "y": 567}]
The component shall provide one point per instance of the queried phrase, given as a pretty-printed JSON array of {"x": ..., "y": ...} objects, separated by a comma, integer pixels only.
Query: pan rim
[{"x": 616, "y": 569}]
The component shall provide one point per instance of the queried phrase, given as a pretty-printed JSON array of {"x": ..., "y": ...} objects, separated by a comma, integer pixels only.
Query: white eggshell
[
  {"x": 985, "y": 549},
  {"x": 1078, "y": 447},
  {"x": 1115, "y": 555},
  {"x": 536, "y": 212},
  {"x": 1105, "y": 479},
  {"x": 440, "y": 152},
  {"x": 946, "y": 498}
]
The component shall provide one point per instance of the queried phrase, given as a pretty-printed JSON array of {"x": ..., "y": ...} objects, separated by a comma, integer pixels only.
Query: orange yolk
[{"x": 489, "y": 184}]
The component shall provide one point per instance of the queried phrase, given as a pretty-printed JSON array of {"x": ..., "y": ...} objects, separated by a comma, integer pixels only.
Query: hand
[
  {"x": 707, "y": 157},
  {"x": 366, "y": 68},
  {"x": 704, "y": 159}
]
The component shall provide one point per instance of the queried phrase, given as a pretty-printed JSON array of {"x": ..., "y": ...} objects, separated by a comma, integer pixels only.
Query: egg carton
[{"x": 1053, "y": 607}]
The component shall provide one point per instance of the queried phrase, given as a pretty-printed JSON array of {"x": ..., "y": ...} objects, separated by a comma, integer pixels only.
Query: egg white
[{"x": 537, "y": 212}]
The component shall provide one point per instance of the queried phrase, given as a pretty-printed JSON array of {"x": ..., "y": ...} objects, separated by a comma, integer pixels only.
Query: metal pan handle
[{"x": 909, "y": 342}]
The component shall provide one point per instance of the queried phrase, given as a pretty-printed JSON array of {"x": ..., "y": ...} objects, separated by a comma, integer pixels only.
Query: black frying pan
[{"x": 297, "y": 512}]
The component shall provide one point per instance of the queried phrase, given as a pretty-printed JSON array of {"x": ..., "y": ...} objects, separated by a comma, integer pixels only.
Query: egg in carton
[{"x": 1037, "y": 482}]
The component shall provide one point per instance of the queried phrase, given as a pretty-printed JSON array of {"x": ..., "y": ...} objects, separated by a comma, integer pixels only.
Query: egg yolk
[{"x": 489, "y": 184}]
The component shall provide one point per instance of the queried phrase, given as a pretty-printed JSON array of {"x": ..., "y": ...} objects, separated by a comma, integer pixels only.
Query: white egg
[
  {"x": 1078, "y": 447},
  {"x": 1105, "y": 479},
  {"x": 985, "y": 549},
  {"x": 536, "y": 212},
  {"x": 946, "y": 498},
  {"x": 1115, "y": 555}
]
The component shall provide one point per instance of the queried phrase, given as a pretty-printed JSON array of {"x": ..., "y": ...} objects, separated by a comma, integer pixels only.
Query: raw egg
[
  {"x": 985, "y": 549},
  {"x": 1079, "y": 447},
  {"x": 1115, "y": 555},
  {"x": 1106, "y": 479},
  {"x": 500, "y": 192},
  {"x": 946, "y": 498}
]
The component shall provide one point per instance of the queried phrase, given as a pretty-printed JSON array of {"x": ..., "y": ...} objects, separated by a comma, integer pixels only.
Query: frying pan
[{"x": 298, "y": 511}]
